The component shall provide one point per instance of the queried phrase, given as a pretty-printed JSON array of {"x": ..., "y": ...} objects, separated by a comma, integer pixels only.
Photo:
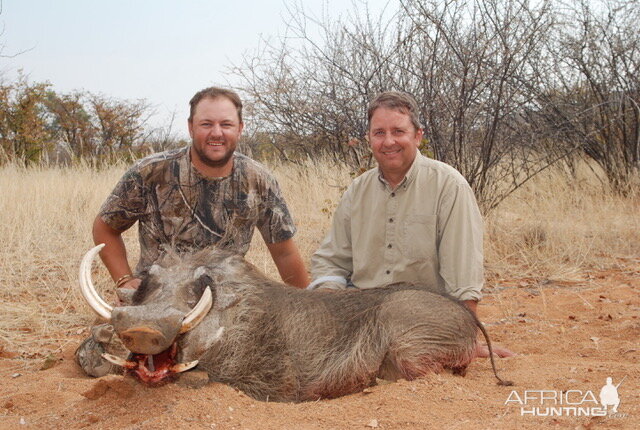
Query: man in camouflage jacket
[
  {"x": 188, "y": 199},
  {"x": 199, "y": 196}
]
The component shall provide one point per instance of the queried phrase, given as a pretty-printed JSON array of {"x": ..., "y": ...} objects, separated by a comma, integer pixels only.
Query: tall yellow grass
[
  {"x": 558, "y": 226},
  {"x": 551, "y": 229}
]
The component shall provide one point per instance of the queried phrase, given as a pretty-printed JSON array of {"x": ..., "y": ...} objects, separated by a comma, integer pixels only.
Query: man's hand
[
  {"x": 482, "y": 351},
  {"x": 132, "y": 284},
  {"x": 127, "y": 290},
  {"x": 472, "y": 305}
]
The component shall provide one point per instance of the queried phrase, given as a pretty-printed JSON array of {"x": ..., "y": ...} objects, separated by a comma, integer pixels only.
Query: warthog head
[{"x": 169, "y": 302}]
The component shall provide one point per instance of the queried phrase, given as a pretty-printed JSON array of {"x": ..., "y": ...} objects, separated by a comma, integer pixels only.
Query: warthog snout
[{"x": 144, "y": 340}]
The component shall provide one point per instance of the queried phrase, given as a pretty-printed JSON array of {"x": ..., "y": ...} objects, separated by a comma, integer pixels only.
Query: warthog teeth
[
  {"x": 119, "y": 361},
  {"x": 181, "y": 367}
]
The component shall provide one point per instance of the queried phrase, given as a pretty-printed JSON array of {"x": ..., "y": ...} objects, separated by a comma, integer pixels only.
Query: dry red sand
[{"x": 568, "y": 336}]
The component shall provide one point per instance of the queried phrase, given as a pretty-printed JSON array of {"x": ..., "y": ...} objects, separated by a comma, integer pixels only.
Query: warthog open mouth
[
  {"x": 149, "y": 369},
  {"x": 152, "y": 369}
]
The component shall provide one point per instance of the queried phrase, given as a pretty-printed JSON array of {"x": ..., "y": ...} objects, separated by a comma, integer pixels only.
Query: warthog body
[{"x": 279, "y": 343}]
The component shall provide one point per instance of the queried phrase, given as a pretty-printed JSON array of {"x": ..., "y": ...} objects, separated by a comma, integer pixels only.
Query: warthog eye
[{"x": 201, "y": 283}]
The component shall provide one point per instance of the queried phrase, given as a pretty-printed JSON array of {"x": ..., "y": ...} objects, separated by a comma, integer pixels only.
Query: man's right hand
[
  {"x": 132, "y": 283},
  {"x": 127, "y": 290}
]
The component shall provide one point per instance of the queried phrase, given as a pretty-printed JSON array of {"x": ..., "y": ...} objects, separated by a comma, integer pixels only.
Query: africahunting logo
[{"x": 568, "y": 403}]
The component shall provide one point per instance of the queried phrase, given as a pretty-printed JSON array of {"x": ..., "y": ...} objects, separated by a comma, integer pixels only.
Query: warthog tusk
[
  {"x": 181, "y": 367},
  {"x": 88, "y": 289},
  {"x": 119, "y": 361},
  {"x": 200, "y": 310}
]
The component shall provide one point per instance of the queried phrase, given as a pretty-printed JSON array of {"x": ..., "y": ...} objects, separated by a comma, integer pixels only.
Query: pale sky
[{"x": 160, "y": 50}]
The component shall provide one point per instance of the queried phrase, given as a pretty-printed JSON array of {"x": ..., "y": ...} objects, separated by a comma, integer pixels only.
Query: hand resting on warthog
[{"x": 216, "y": 311}]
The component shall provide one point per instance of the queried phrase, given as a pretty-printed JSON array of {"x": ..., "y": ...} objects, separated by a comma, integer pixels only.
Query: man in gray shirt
[{"x": 412, "y": 219}]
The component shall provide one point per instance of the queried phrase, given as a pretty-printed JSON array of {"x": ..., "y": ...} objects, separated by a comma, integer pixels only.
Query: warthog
[{"x": 217, "y": 311}]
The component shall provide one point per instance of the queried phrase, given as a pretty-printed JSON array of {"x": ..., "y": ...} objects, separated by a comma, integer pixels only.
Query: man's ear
[
  {"x": 190, "y": 126},
  {"x": 419, "y": 136}
]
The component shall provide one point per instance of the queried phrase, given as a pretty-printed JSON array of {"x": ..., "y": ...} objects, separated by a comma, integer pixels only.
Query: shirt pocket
[{"x": 418, "y": 237}]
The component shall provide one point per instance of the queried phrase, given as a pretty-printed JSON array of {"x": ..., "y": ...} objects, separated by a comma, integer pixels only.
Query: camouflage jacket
[{"x": 178, "y": 207}]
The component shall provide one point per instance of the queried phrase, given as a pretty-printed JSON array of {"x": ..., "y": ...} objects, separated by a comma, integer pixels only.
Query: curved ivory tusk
[
  {"x": 178, "y": 368},
  {"x": 88, "y": 289},
  {"x": 119, "y": 361},
  {"x": 199, "y": 311}
]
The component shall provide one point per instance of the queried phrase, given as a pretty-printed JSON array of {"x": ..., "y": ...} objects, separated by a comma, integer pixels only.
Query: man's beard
[{"x": 213, "y": 163}]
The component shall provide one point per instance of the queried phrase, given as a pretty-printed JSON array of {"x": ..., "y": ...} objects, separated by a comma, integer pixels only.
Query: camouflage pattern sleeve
[
  {"x": 275, "y": 222},
  {"x": 126, "y": 204}
]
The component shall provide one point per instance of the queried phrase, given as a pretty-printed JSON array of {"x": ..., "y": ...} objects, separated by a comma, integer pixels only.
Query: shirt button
[
  {"x": 388, "y": 272},
  {"x": 393, "y": 194},
  {"x": 390, "y": 219},
  {"x": 389, "y": 246}
]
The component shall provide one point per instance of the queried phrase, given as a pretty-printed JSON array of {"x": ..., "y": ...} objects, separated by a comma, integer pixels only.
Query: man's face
[
  {"x": 394, "y": 141},
  {"x": 215, "y": 130}
]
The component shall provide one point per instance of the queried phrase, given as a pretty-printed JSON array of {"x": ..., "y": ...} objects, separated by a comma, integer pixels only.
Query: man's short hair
[
  {"x": 213, "y": 93},
  {"x": 396, "y": 100}
]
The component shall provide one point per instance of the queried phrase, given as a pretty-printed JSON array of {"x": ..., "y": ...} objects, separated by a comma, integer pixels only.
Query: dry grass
[
  {"x": 555, "y": 227},
  {"x": 552, "y": 229}
]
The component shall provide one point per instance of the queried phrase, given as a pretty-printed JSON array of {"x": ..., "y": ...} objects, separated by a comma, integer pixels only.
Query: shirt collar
[{"x": 408, "y": 178}]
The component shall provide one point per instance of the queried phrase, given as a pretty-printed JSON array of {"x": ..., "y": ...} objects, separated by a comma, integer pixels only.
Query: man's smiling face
[
  {"x": 215, "y": 130},
  {"x": 394, "y": 141}
]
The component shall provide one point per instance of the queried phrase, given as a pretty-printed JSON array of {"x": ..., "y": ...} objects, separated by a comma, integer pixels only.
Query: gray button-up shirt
[{"x": 427, "y": 230}]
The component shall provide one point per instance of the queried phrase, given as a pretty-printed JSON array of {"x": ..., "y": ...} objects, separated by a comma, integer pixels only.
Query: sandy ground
[{"x": 569, "y": 337}]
